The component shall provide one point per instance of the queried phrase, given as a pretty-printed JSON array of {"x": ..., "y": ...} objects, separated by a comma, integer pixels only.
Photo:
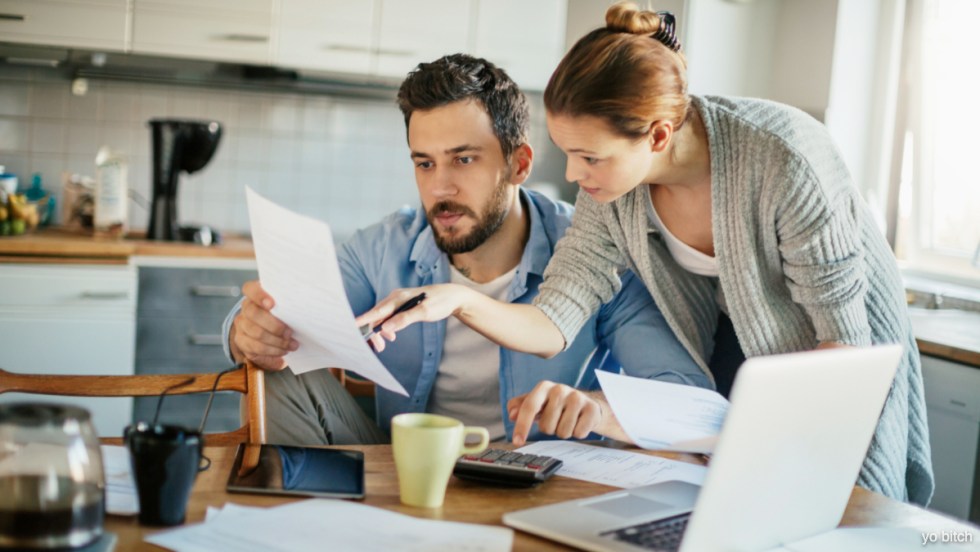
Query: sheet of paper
[
  {"x": 298, "y": 267},
  {"x": 228, "y": 510},
  {"x": 618, "y": 468},
  {"x": 336, "y": 524},
  {"x": 665, "y": 416},
  {"x": 120, "y": 489},
  {"x": 886, "y": 539}
]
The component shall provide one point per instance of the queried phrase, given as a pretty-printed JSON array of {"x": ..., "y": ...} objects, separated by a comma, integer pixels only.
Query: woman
[{"x": 738, "y": 215}]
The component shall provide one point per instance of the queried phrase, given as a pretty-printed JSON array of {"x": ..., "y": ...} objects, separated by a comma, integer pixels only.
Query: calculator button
[
  {"x": 510, "y": 457},
  {"x": 525, "y": 458},
  {"x": 492, "y": 455}
]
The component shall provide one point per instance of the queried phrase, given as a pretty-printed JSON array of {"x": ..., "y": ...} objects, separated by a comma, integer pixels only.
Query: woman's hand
[{"x": 441, "y": 301}]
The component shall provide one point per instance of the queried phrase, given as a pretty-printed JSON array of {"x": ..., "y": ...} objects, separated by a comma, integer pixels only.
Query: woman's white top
[{"x": 687, "y": 257}]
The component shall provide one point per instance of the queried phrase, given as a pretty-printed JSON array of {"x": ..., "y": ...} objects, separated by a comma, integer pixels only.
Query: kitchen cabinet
[
  {"x": 220, "y": 30},
  {"x": 98, "y": 24},
  {"x": 178, "y": 330},
  {"x": 526, "y": 39},
  {"x": 327, "y": 35},
  {"x": 388, "y": 38},
  {"x": 953, "y": 408},
  {"x": 369, "y": 38},
  {"x": 70, "y": 319},
  {"x": 420, "y": 30}
]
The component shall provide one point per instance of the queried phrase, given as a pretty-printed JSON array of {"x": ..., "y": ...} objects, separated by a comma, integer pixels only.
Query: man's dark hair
[{"x": 459, "y": 77}]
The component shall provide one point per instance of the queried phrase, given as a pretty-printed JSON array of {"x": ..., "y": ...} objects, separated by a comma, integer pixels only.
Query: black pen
[{"x": 411, "y": 303}]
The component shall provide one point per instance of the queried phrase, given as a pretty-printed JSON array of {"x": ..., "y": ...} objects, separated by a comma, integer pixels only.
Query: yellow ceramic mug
[{"x": 426, "y": 447}]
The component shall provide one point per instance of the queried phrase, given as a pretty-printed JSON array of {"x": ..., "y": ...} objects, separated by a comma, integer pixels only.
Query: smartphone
[{"x": 297, "y": 471}]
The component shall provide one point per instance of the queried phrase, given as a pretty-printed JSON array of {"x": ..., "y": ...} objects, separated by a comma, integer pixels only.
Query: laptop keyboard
[{"x": 660, "y": 535}]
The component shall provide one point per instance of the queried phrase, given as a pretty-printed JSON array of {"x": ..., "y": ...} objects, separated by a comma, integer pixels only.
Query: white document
[
  {"x": 665, "y": 416},
  {"x": 228, "y": 510},
  {"x": 298, "y": 267},
  {"x": 120, "y": 488},
  {"x": 321, "y": 524},
  {"x": 886, "y": 539},
  {"x": 618, "y": 468}
]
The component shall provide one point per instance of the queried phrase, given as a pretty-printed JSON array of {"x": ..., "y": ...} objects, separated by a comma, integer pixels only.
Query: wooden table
[{"x": 470, "y": 502}]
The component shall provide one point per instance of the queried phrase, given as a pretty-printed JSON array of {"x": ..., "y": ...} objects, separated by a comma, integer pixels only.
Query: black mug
[{"x": 165, "y": 460}]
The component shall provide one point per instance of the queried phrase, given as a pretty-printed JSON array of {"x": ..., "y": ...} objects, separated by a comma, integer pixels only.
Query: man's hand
[
  {"x": 559, "y": 410},
  {"x": 257, "y": 335}
]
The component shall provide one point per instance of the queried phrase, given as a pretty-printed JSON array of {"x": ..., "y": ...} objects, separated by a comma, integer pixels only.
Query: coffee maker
[{"x": 178, "y": 146}]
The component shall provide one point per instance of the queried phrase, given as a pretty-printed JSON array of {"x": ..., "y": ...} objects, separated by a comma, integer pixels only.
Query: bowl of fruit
[{"x": 18, "y": 215}]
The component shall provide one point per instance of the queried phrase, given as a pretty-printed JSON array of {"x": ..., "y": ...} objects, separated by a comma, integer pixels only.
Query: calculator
[{"x": 506, "y": 467}]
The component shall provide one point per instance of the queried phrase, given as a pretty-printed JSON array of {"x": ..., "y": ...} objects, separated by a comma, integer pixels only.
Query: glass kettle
[{"x": 52, "y": 485}]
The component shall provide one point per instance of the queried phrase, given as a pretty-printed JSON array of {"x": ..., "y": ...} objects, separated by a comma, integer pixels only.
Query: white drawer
[
  {"x": 238, "y": 35},
  {"x": 952, "y": 387},
  {"x": 88, "y": 23},
  {"x": 85, "y": 286}
]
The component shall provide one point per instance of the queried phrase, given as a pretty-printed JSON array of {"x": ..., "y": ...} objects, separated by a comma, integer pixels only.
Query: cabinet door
[
  {"x": 70, "y": 320},
  {"x": 97, "y": 24},
  {"x": 223, "y": 30},
  {"x": 526, "y": 39},
  {"x": 421, "y": 30},
  {"x": 953, "y": 410},
  {"x": 179, "y": 331},
  {"x": 326, "y": 35}
]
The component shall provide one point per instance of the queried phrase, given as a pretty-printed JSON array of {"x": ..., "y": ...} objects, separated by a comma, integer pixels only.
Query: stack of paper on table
[
  {"x": 322, "y": 524},
  {"x": 120, "y": 488},
  {"x": 617, "y": 468},
  {"x": 665, "y": 416}
]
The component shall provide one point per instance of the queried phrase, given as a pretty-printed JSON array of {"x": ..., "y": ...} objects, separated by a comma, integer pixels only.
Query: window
[{"x": 938, "y": 219}]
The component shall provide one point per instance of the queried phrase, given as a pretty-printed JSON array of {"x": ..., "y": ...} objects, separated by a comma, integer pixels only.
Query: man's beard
[{"x": 486, "y": 225}]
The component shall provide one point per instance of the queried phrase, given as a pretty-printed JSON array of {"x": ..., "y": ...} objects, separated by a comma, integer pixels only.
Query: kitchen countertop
[
  {"x": 948, "y": 333},
  {"x": 58, "y": 245}
]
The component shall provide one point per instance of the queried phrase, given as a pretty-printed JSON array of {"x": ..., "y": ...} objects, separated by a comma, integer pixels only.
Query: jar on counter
[{"x": 8, "y": 181}]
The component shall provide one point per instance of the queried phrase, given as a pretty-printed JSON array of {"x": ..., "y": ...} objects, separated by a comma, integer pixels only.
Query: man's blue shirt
[{"x": 400, "y": 252}]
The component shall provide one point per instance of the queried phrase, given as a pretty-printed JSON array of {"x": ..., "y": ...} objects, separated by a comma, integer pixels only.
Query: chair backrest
[
  {"x": 247, "y": 379},
  {"x": 356, "y": 386}
]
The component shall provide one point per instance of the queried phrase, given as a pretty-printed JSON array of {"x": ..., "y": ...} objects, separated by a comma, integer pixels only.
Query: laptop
[{"x": 784, "y": 467}]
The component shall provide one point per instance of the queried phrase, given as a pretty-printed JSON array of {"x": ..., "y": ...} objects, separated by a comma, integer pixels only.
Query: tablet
[{"x": 302, "y": 471}]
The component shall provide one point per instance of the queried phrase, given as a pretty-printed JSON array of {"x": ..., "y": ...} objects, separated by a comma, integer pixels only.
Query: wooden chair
[
  {"x": 248, "y": 380},
  {"x": 356, "y": 386}
]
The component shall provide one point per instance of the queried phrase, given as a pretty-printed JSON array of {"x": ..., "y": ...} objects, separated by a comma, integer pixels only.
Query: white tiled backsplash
[{"x": 339, "y": 159}]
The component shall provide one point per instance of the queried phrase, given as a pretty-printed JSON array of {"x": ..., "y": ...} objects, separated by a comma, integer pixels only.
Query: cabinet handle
[
  {"x": 216, "y": 291},
  {"x": 235, "y": 37},
  {"x": 347, "y": 48},
  {"x": 12, "y": 17},
  {"x": 105, "y": 295},
  {"x": 397, "y": 53},
  {"x": 207, "y": 340},
  {"x": 955, "y": 402},
  {"x": 364, "y": 49}
]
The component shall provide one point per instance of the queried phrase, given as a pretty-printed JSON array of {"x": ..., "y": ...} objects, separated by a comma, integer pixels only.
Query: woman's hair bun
[{"x": 627, "y": 17}]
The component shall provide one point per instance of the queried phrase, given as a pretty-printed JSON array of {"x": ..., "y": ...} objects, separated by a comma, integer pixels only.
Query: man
[{"x": 467, "y": 126}]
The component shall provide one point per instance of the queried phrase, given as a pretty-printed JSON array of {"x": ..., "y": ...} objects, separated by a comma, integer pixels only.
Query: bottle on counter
[{"x": 111, "y": 193}]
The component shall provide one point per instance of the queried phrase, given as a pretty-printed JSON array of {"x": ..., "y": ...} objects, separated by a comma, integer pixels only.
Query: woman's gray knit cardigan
[{"x": 799, "y": 258}]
